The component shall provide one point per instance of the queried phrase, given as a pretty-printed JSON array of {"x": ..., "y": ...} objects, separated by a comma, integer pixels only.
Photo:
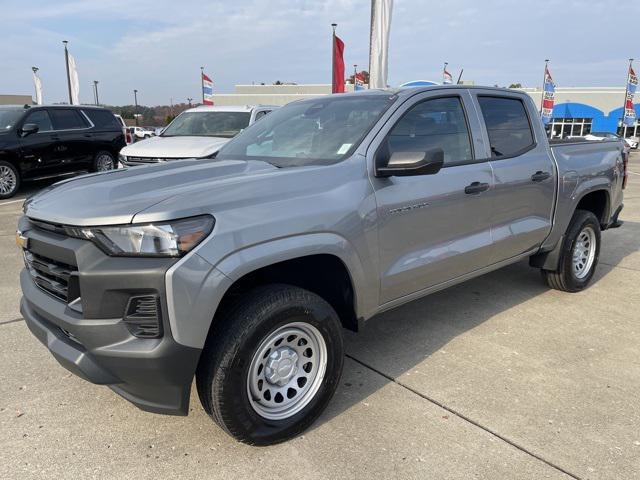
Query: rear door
[
  {"x": 75, "y": 136},
  {"x": 525, "y": 174},
  {"x": 432, "y": 228}
]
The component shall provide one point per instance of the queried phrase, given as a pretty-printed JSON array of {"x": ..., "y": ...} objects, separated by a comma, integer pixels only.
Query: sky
[{"x": 158, "y": 46}]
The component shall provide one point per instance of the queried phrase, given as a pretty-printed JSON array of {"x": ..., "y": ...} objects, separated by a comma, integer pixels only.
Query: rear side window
[
  {"x": 67, "y": 119},
  {"x": 436, "y": 123},
  {"x": 102, "y": 118},
  {"x": 40, "y": 118},
  {"x": 507, "y": 125}
]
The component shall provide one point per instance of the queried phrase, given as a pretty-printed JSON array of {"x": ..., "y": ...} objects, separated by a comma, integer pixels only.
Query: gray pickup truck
[{"x": 241, "y": 271}]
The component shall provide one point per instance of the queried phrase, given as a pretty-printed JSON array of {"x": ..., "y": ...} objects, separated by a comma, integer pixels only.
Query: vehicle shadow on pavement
[{"x": 396, "y": 342}]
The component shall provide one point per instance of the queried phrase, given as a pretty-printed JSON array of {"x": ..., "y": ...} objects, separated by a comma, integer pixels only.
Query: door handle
[
  {"x": 476, "y": 187},
  {"x": 540, "y": 176}
]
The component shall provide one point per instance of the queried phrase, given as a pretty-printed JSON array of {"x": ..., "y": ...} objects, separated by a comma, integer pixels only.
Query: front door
[
  {"x": 433, "y": 228},
  {"x": 41, "y": 151},
  {"x": 525, "y": 175}
]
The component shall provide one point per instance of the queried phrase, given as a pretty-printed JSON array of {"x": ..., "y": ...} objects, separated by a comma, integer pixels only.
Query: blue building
[{"x": 579, "y": 111}]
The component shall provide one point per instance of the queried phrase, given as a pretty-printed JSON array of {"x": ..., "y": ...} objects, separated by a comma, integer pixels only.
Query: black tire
[
  {"x": 97, "y": 160},
  {"x": 222, "y": 373},
  {"x": 564, "y": 278},
  {"x": 12, "y": 179}
]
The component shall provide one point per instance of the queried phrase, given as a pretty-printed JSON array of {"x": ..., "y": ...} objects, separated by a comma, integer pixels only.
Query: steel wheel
[
  {"x": 8, "y": 180},
  {"x": 286, "y": 371},
  {"x": 584, "y": 252},
  {"x": 104, "y": 162}
]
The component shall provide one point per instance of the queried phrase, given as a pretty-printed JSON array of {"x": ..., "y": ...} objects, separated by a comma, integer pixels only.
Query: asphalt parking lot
[{"x": 496, "y": 378}]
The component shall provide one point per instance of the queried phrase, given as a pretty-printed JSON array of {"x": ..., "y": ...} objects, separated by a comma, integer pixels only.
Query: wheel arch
[
  {"x": 198, "y": 290},
  {"x": 595, "y": 200}
]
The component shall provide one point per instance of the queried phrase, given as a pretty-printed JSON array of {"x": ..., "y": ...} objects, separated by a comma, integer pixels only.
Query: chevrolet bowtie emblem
[{"x": 21, "y": 240}]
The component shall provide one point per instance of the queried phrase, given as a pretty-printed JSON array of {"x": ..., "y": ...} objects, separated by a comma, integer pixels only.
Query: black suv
[{"x": 50, "y": 141}]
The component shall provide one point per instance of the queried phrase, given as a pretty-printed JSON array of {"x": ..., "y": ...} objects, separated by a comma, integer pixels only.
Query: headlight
[
  {"x": 162, "y": 239},
  {"x": 122, "y": 158}
]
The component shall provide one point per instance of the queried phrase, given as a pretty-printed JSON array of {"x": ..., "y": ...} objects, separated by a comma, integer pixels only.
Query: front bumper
[
  {"x": 153, "y": 374},
  {"x": 93, "y": 341}
]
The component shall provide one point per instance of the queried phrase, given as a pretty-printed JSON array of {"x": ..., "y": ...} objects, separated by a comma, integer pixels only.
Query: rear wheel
[
  {"x": 103, "y": 162},
  {"x": 9, "y": 180},
  {"x": 271, "y": 364},
  {"x": 580, "y": 254}
]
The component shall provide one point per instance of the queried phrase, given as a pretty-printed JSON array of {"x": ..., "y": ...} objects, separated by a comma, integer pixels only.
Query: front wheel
[
  {"x": 271, "y": 364},
  {"x": 9, "y": 180},
  {"x": 580, "y": 254}
]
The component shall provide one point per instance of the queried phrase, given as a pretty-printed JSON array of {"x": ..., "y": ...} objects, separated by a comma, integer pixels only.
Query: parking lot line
[{"x": 11, "y": 201}]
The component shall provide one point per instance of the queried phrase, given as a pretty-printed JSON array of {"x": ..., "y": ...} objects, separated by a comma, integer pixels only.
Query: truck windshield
[
  {"x": 312, "y": 132},
  {"x": 9, "y": 117},
  {"x": 208, "y": 124}
]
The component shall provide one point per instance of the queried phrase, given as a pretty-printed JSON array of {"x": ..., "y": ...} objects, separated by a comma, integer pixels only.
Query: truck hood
[
  {"x": 175, "y": 147},
  {"x": 116, "y": 196}
]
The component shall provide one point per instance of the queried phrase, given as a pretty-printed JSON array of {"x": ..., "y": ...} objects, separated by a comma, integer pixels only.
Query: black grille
[{"x": 54, "y": 277}]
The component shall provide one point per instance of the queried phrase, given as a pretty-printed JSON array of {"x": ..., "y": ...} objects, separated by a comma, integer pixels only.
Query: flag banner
[
  {"x": 75, "y": 83},
  {"x": 358, "y": 81},
  {"x": 38, "y": 84},
  {"x": 207, "y": 90},
  {"x": 548, "y": 98},
  {"x": 338, "y": 65},
  {"x": 629, "y": 109},
  {"x": 381, "y": 11},
  {"x": 447, "y": 79}
]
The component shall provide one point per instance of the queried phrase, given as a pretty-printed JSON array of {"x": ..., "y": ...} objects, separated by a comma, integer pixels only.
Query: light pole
[
  {"x": 135, "y": 100},
  {"x": 95, "y": 89},
  {"x": 189, "y": 100}
]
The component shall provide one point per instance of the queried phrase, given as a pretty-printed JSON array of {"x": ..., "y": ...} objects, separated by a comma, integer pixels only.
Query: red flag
[{"x": 338, "y": 65}]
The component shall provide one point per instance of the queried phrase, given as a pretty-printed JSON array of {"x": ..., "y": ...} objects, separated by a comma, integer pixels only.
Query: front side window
[
  {"x": 436, "y": 123},
  {"x": 321, "y": 131},
  {"x": 40, "y": 118},
  {"x": 67, "y": 119},
  {"x": 507, "y": 125},
  {"x": 208, "y": 124}
]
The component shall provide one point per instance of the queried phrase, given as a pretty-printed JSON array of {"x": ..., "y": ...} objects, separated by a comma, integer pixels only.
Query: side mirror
[
  {"x": 406, "y": 164},
  {"x": 28, "y": 129}
]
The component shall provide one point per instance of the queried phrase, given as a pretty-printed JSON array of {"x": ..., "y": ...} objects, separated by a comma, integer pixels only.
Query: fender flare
[
  {"x": 252, "y": 258},
  {"x": 195, "y": 287}
]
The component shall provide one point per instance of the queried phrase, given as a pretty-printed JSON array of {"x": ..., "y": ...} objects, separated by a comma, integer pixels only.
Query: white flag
[
  {"x": 38, "y": 84},
  {"x": 379, "y": 48},
  {"x": 75, "y": 84}
]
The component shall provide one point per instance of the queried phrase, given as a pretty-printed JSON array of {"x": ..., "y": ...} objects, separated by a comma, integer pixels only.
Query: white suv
[{"x": 195, "y": 133}]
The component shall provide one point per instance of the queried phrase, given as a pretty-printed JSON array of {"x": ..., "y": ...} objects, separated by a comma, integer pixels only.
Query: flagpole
[
  {"x": 626, "y": 94},
  {"x": 66, "y": 62},
  {"x": 371, "y": 39},
  {"x": 544, "y": 79},
  {"x": 460, "y": 77},
  {"x": 444, "y": 70},
  {"x": 333, "y": 58},
  {"x": 202, "y": 82}
]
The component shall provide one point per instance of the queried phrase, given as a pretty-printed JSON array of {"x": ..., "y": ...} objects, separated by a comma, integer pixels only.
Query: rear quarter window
[
  {"x": 507, "y": 124},
  {"x": 103, "y": 119}
]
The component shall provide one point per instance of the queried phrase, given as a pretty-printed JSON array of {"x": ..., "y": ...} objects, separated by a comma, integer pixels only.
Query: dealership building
[{"x": 578, "y": 110}]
